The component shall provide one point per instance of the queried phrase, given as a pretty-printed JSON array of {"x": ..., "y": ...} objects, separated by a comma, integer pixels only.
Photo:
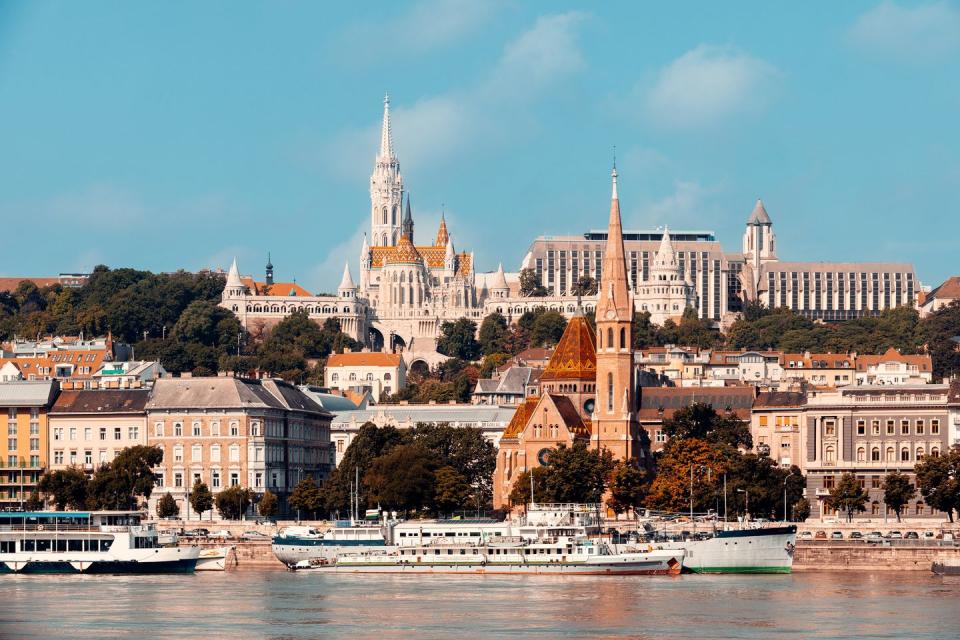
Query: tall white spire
[
  {"x": 665, "y": 254},
  {"x": 386, "y": 136},
  {"x": 613, "y": 176},
  {"x": 346, "y": 282},
  {"x": 233, "y": 277}
]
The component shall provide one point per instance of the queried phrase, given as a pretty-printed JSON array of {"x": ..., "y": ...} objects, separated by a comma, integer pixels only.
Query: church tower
[
  {"x": 614, "y": 424},
  {"x": 386, "y": 188}
]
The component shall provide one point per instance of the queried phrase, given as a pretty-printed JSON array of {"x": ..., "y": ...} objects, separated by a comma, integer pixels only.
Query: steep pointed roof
[
  {"x": 442, "y": 235},
  {"x": 346, "y": 282},
  {"x": 406, "y": 228},
  {"x": 403, "y": 253},
  {"x": 575, "y": 357},
  {"x": 450, "y": 250},
  {"x": 386, "y": 136},
  {"x": 614, "y": 287},
  {"x": 499, "y": 280},
  {"x": 759, "y": 214},
  {"x": 520, "y": 418},
  {"x": 365, "y": 249},
  {"x": 233, "y": 277},
  {"x": 666, "y": 256}
]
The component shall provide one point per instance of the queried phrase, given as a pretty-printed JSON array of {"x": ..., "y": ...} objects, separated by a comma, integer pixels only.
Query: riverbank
[{"x": 868, "y": 557}]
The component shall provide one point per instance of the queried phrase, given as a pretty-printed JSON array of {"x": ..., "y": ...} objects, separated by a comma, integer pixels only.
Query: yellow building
[{"x": 23, "y": 453}]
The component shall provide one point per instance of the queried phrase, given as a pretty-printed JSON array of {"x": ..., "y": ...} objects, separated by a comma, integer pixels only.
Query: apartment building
[
  {"x": 89, "y": 427},
  {"x": 23, "y": 453}
]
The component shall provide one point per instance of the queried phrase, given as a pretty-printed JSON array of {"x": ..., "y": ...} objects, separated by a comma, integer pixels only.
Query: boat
[
  {"x": 296, "y": 543},
  {"x": 505, "y": 555},
  {"x": 87, "y": 542},
  {"x": 765, "y": 550},
  {"x": 946, "y": 567},
  {"x": 216, "y": 559}
]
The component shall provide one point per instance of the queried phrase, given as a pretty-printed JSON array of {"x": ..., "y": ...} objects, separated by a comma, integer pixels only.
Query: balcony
[{"x": 823, "y": 492}]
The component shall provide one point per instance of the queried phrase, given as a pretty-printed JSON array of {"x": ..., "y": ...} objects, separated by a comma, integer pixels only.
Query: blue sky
[{"x": 179, "y": 134}]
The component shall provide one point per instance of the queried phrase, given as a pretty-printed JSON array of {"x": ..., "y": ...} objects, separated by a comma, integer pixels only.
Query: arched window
[
  {"x": 919, "y": 453},
  {"x": 904, "y": 454},
  {"x": 861, "y": 454},
  {"x": 829, "y": 454},
  {"x": 386, "y": 376},
  {"x": 623, "y": 338},
  {"x": 609, "y": 338},
  {"x": 609, "y": 391},
  {"x": 875, "y": 454},
  {"x": 891, "y": 454},
  {"x": 935, "y": 452},
  {"x": 384, "y": 218}
]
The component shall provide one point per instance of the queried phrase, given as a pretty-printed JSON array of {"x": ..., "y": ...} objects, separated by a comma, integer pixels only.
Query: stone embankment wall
[
  {"x": 246, "y": 555},
  {"x": 820, "y": 556}
]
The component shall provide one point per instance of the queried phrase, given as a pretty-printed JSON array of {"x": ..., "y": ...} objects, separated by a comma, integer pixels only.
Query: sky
[{"x": 174, "y": 135}]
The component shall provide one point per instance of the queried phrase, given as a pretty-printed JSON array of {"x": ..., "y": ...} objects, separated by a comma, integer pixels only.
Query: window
[
  {"x": 623, "y": 338},
  {"x": 178, "y": 453},
  {"x": 178, "y": 479},
  {"x": 234, "y": 453},
  {"x": 861, "y": 454},
  {"x": 609, "y": 338},
  {"x": 828, "y": 482},
  {"x": 215, "y": 478},
  {"x": 934, "y": 452},
  {"x": 88, "y": 433},
  {"x": 58, "y": 456},
  {"x": 215, "y": 453},
  {"x": 861, "y": 427},
  {"x": 158, "y": 479},
  {"x": 73, "y": 456},
  {"x": 58, "y": 433},
  {"x": 829, "y": 428},
  {"x": 73, "y": 434},
  {"x": 935, "y": 427},
  {"x": 103, "y": 456},
  {"x": 234, "y": 478},
  {"x": 763, "y": 421},
  {"x": 891, "y": 454},
  {"x": 353, "y": 376},
  {"x": 919, "y": 453},
  {"x": 258, "y": 480},
  {"x": 904, "y": 454},
  {"x": 103, "y": 433},
  {"x": 829, "y": 454},
  {"x": 157, "y": 429},
  {"x": 197, "y": 477},
  {"x": 196, "y": 453},
  {"x": 178, "y": 428},
  {"x": 34, "y": 444},
  {"x": 117, "y": 433},
  {"x": 339, "y": 446},
  {"x": 334, "y": 377},
  {"x": 134, "y": 433},
  {"x": 386, "y": 376},
  {"x": 234, "y": 429},
  {"x": 905, "y": 427},
  {"x": 875, "y": 454},
  {"x": 920, "y": 427},
  {"x": 196, "y": 429},
  {"x": 254, "y": 428},
  {"x": 215, "y": 429},
  {"x": 610, "y": 393},
  {"x": 88, "y": 457},
  {"x": 891, "y": 430},
  {"x": 875, "y": 427}
]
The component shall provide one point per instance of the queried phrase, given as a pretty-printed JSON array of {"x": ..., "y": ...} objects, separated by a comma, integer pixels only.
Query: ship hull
[
  {"x": 508, "y": 569},
  {"x": 114, "y": 567},
  {"x": 749, "y": 551}
]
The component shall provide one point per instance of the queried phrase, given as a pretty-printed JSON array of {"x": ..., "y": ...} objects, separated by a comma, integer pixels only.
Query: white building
[
  {"x": 894, "y": 368},
  {"x": 666, "y": 292},
  {"x": 382, "y": 374}
]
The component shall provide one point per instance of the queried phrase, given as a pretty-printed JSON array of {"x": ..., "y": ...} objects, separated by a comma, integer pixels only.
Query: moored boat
[
  {"x": 216, "y": 559},
  {"x": 87, "y": 542},
  {"x": 765, "y": 550},
  {"x": 946, "y": 566}
]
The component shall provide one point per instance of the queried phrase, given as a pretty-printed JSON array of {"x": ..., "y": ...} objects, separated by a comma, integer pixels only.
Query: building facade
[
  {"x": 24, "y": 451},
  {"x": 89, "y": 427},
  {"x": 259, "y": 434},
  {"x": 382, "y": 374}
]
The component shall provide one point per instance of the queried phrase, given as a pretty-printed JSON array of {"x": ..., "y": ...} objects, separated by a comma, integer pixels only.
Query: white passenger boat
[
  {"x": 216, "y": 559},
  {"x": 295, "y": 543},
  {"x": 87, "y": 542},
  {"x": 507, "y": 555}
]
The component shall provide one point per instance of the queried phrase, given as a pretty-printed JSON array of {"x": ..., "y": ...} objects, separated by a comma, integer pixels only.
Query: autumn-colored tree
[{"x": 670, "y": 490}]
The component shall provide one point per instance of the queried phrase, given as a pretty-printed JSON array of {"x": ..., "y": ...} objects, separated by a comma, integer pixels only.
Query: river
[{"x": 281, "y": 605}]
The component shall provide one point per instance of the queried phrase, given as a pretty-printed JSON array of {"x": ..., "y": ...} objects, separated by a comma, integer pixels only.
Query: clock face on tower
[{"x": 611, "y": 314}]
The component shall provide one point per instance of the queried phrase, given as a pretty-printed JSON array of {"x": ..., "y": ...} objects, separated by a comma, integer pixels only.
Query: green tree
[
  {"x": 578, "y": 473},
  {"x": 547, "y": 329},
  {"x": 464, "y": 449},
  {"x": 897, "y": 492},
  {"x": 670, "y": 490},
  {"x": 938, "y": 479},
  {"x": 118, "y": 484},
  {"x": 645, "y": 333},
  {"x": 520, "y": 493},
  {"x": 848, "y": 496},
  {"x": 201, "y": 499},
  {"x": 452, "y": 492},
  {"x": 801, "y": 510},
  {"x": 402, "y": 479},
  {"x": 494, "y": 334},
  {"x": 233, "y": 502},
  {"x": 938, "y": 331},
  {"x": 65, "y": 487},
  {"x": 585, "y": 286},
  {"x": 628, "y": 486},
  {"x": 695, "y": 332},
  {"x": 370, "y": 443},
  {"x": 167, "y": 507},
  {"x": 268, "y": 505},
  {"x": 530, "y": 285},
  {"x": 34, "y": 502},
  {"x": 457, "y": 339},
  {"x": 701, "y": 421},
  {"x": 492, "y": 362},
  {"x": 306, "y": 497}
]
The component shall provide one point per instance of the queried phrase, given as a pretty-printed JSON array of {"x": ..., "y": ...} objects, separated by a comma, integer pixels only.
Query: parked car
[
  {"x": 928, "y": 535},
  {"x": 836, "y": 535},
  {"x": 874, "y": 536},
  {"x": 821, "y": 535},
  {"x": 946, "y": 536},
  {"x": 895, "y": 535},
  {"x": 196, "y": 533},
  {"x": 806, "y": 535},
  {"x": 855, "y": 535},
  {"x": 254, "y": 535},
  {"x": 223, "y": 534},
  {"x": 911, "y": 535}
]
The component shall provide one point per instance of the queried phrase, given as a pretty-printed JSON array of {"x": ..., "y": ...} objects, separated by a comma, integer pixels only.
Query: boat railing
[{"x": 63, "y": 528}]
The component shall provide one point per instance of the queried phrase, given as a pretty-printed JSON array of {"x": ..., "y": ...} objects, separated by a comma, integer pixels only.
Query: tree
[
  {"x": 628, "y": 486},
  {"x": 848, "y": 496},
  {"x": 452, "y": 492},
  {"x": 402, "y": 479},
  {"x": 938, "y": 479},
  {"x": 530, "y": 284},
  {"x": 801, "y": 510},
  {"x": 938, "y": 331},
  {"x": 457, "y": 339},
  {"x": 464, "y": 449},
  {"x": 167, "y": 507},
  {"x": 897, "y": 492},
  {"x": 695, "y": 332},
  {"x": 269, "y": 505},
  {"x": 34, "y": 502},
  {"x": 233, "y": 502},
  {"x": 701, "y": 421},
  {"x": 547, "y": 329},
  {"x": 370, "y": 443},
  {"x": 118, "y": 484},
  {"x": 201, "y": 499},
  {"x": 578, "y": 473},
  {"x": 65, "y": 487},
  {"x": 644, "y": 332},
  {"x": 520, "y": 493},
  {"x": 307, "y": 497},
  {"x": 492, "y": 362},
  {"x": 585, "y": 286},
  {"x": 670, "y": 490},
  {"x": 494, "y": 334}
]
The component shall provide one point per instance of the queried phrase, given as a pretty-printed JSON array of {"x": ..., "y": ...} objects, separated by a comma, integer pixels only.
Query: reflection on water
[{"x": 276, "y": 604}]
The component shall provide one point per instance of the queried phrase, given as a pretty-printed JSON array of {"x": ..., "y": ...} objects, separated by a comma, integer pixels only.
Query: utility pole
[{"x": 724, "y": 499}]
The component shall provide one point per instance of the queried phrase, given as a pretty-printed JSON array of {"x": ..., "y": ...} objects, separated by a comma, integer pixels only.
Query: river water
[{"x": 281, "y": 605}]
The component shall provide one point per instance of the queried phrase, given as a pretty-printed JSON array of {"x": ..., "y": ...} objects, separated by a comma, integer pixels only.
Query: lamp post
[
  {"x": 785, "y": 498},
  {"x": 746, "y": 492}
]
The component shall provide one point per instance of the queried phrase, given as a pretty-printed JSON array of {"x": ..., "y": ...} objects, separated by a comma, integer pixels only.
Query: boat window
[
  {"x": 75, "y": 545},
  {"x": 27, "y": 545},
  {"x": 61, "y": 545},
  {"x": 8, "y": 546}
]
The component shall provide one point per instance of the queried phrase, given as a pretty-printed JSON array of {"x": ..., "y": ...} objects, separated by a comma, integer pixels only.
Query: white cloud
[
  {"x": 918, "y": 34},
  {"x": 326, "y": 275},
  {"x": 436, "y": 127},
  {"x": 428, "y": 25},
  {"x": 688, "y": 207},
  {"x": 708, "y": 84}
]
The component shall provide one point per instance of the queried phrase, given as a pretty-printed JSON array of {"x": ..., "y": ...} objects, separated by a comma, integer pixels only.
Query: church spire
[
  {"x": 443, "y": 236},
  {"x": 407, "y": 229},
  {"x": 614, "y": 287},
  {"x": 386, "y": 136}
]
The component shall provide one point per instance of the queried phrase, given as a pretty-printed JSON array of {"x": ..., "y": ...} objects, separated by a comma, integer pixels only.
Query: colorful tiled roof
[
  {"x": 275, "y": 289},
  {"x": 922, "y": 362},
  {"x": 403, "y": 253},
  {"x": 575, "y": 357},
  {"x": 363, "y": 359},
  {"x": 434, "y": 257},
  {"x": 520, "y": 418}
]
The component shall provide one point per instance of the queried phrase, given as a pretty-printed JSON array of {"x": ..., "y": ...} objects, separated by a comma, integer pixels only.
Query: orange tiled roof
[
  {"x": 443, "y": 237},
  {"x": 275, "y": 289},
  {"x": 948, "y": 290},
  {"x": 520, "y": 417},
  {"x": 571, "y": 417},
  {"x": 822, "y": 360},
  {"x": 363, "y": 359},
  {"x": 11, "y": 284},
  {"x": 923, "y": 362},
  {"x": 434, "y": 257},
  {"x": 45, "y": 366},
  {"x": 576, "y": 354}
]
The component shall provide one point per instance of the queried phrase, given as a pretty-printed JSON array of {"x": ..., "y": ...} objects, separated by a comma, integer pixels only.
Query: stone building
[
  {"x": 259, "y": 434},
  {"x": 382, "y": 374},
  {"x": 89, "y": 427}
]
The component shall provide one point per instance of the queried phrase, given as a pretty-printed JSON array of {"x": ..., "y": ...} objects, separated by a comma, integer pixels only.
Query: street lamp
[
  {"x": 747, "y": 505},
  {"x": 785, "y": 498}
]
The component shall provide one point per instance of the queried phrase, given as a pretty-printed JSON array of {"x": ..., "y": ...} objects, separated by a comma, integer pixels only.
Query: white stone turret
[
  {"x": 234, "y": 287},
  {"x": 666, "y": 292},
  {"x": 347, "y": 288},
  {"x": 498, "y": 285},
  {"x": 386, "y": 188},
  {"x": 450, "y": 259}
]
